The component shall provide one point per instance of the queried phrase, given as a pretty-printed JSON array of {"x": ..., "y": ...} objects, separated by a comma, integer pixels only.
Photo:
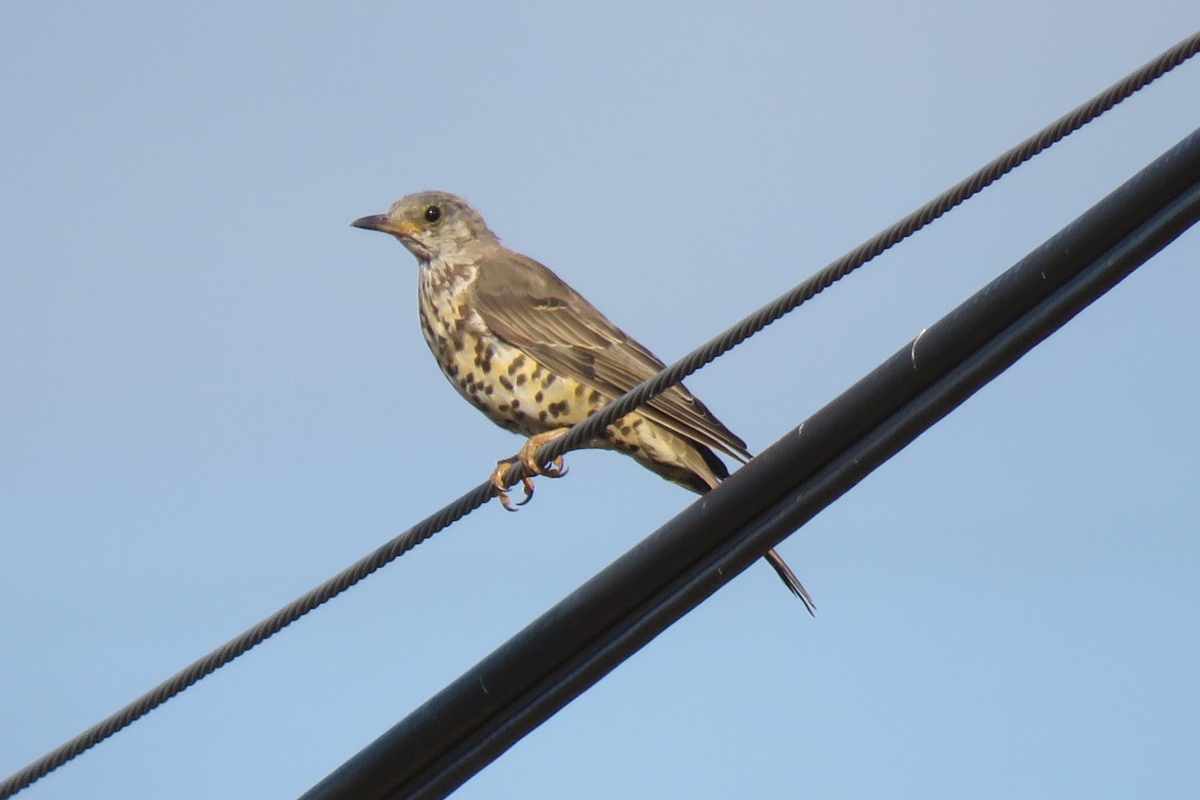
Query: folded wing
[{"x": 533, "y": 309}]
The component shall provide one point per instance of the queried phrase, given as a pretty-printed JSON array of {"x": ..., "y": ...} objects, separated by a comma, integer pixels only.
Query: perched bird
[{"x": 528, "y": 351}]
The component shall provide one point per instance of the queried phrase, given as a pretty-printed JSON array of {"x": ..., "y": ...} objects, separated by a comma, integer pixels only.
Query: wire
[
  {"x": 479, "y": 715},
  {"x": 835, "y": 271},
  {"x": 586, "y": 430}
]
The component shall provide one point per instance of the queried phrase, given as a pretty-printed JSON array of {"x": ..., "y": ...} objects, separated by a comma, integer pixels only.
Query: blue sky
[{"x": 216, "y": 394}]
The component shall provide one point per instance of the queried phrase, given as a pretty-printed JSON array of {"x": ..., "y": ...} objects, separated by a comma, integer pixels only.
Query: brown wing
[{"x": 528, "y": 306}]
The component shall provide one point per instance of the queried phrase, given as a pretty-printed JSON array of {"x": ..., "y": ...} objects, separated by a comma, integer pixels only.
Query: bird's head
[{"x": 430, "y": 224}]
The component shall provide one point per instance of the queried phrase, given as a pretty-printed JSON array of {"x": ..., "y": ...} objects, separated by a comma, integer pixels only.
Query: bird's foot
[
  {"x": 499, "y": 480},
  {"x": 527, "y": 457},
  {"x": 529, "y": 451}
]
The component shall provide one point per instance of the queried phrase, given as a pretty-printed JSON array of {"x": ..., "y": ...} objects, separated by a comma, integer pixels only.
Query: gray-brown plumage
[{"x": 536, "y": 357}]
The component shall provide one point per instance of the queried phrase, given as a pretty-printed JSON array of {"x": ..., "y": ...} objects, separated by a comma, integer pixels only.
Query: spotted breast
[
  {"x": 520, "y": 394},
  {"x": 510, "y": 387}
]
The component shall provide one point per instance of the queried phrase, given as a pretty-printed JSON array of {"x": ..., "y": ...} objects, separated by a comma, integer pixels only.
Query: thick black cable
[
  {"x": 522, "y": 683},
  {"x": 588, "y": 429}
]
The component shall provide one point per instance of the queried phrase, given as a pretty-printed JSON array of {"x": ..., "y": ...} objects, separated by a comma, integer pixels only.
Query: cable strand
[{"x": 898, "y": 232}]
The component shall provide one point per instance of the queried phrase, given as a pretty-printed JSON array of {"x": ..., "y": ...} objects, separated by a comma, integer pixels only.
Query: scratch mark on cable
[{"x": 913, "y": 351}]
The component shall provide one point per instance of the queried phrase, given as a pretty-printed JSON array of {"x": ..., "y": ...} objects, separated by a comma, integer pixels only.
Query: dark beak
[{"x": 375, "y": 222}]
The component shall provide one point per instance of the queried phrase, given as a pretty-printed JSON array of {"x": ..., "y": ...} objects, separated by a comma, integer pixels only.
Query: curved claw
[
  {"x": 505, "y": 502},
  {"x": 556, "y": 469},
  {"x": 499, "y": 481},
  {"x": 527, "y": 485},
  {"x": 500, "y": 484}
]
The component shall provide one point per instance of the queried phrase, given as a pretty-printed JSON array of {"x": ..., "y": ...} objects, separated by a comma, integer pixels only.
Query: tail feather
[
  {"x": 791, "y": 581},
  {"x": 699, "y": 482}
]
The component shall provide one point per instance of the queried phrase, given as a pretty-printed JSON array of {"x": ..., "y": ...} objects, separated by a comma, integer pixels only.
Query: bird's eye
[{"x": 432, "y": 213}]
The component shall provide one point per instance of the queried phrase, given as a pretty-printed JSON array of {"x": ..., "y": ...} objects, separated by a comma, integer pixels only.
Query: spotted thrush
[{"x": 535, "y": 357}]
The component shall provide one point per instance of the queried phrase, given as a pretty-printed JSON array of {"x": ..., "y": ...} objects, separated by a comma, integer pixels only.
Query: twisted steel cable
[
  {"x": 587, "y": 430},
  {"x": 898, "y": 232}
]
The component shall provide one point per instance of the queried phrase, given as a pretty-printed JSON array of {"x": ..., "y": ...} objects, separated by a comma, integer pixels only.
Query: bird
[{"x": 535, "y": 357}]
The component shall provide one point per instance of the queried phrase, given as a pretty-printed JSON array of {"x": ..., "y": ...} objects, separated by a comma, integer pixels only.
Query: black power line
[
  {"x": 475, "y": 498},
  {"x": 476, "y": 718}
]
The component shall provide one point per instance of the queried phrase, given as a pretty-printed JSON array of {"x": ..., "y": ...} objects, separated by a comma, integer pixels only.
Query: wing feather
[{"x": 527, "y": 305}]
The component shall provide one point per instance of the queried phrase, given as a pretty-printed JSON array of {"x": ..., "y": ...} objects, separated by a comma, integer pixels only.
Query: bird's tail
[
  {"x": 790, "y": 580},
  {"x": 702, "y": 481}
]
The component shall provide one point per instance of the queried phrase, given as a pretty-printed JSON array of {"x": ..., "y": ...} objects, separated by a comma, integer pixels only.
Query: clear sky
[{"x": 215, "y": 394}]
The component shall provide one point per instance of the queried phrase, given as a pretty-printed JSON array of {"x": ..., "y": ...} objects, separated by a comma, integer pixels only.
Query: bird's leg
[
  {"x": 529, "y": 451},
  {"x": 499, "y": 479}
]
